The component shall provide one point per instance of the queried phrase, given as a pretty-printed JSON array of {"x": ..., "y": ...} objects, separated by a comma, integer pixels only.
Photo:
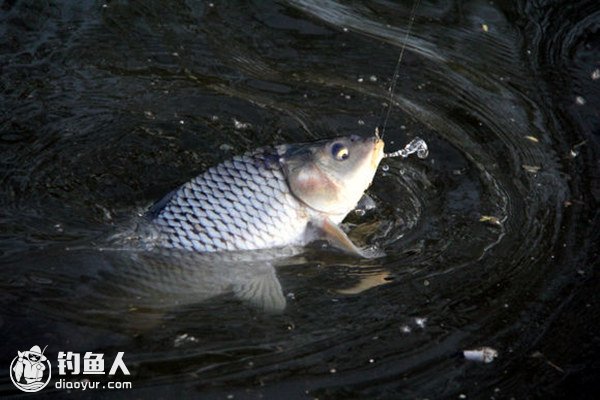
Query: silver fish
[{"x": 274, "y": 196}]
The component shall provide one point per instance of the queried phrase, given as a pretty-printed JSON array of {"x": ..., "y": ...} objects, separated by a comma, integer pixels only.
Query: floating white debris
[
  {"x": 373, "y": 78},
  {"x": 481, "y": 354},
  {"x": 420, "y": 322},
  {"x": 485, "y": 27},
  {"x": 490, "y": 219},
  {"x": 596, "y": 74},
  {"x": 241, "y": 125},
  {"x": 579, "y": 100},
  {"x": 183, "y": 339},
  {"x": 531, "y": 168},
  {"x": 106, "y": 211},
  {"x": 225, "y": 147},
  {"x": 573, "y": 153},
  {"x": 405, "y": 329},
  {"x": 532, "y": 138}
]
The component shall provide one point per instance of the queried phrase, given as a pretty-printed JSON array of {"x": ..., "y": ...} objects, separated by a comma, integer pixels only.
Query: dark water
[{"x": 107, "y": 107}]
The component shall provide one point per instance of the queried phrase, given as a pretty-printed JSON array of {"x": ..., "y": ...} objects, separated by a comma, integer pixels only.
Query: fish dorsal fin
[
  {"x": 157, "y": 207},
  {"x": 262, "y": 291}
]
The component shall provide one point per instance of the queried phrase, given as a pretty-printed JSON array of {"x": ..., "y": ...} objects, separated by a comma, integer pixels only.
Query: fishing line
[
  {"x": 417, "y": 145},
  {"x": 396, "y": 75}
]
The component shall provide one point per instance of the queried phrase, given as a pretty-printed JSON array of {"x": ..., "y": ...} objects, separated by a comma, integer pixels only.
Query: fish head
[{"x": 331, "y": 176}]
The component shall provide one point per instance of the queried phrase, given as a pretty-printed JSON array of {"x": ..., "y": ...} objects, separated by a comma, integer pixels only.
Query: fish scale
[{"x": 241, "y": 204}]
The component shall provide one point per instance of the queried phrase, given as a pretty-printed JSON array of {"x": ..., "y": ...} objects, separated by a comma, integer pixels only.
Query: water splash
[{"x": 417, "y": 145}]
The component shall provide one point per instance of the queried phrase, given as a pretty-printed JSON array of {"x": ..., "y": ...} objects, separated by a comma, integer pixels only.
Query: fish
[
  {"x": 274, "y": 196},
  {"x": 19, "y": 367}
]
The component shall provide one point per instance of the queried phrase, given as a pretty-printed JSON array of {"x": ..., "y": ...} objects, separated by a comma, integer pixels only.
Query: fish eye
[{"x": 340, "y": 152}]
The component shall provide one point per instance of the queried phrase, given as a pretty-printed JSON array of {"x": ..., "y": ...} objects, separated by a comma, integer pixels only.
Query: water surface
[{"x": 490, "y": 241}]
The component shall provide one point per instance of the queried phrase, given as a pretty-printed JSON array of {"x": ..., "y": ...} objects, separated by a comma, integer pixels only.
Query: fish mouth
[{"x": 377, "y": 155}]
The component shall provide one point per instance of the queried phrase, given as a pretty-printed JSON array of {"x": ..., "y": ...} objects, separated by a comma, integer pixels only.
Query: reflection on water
[{"x": 490, "y": 241}]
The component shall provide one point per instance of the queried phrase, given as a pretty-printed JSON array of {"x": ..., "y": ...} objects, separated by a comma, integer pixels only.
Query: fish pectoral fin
[
  {"x": 262, "y": 291},
  {"x": 338, "y": 238}
]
